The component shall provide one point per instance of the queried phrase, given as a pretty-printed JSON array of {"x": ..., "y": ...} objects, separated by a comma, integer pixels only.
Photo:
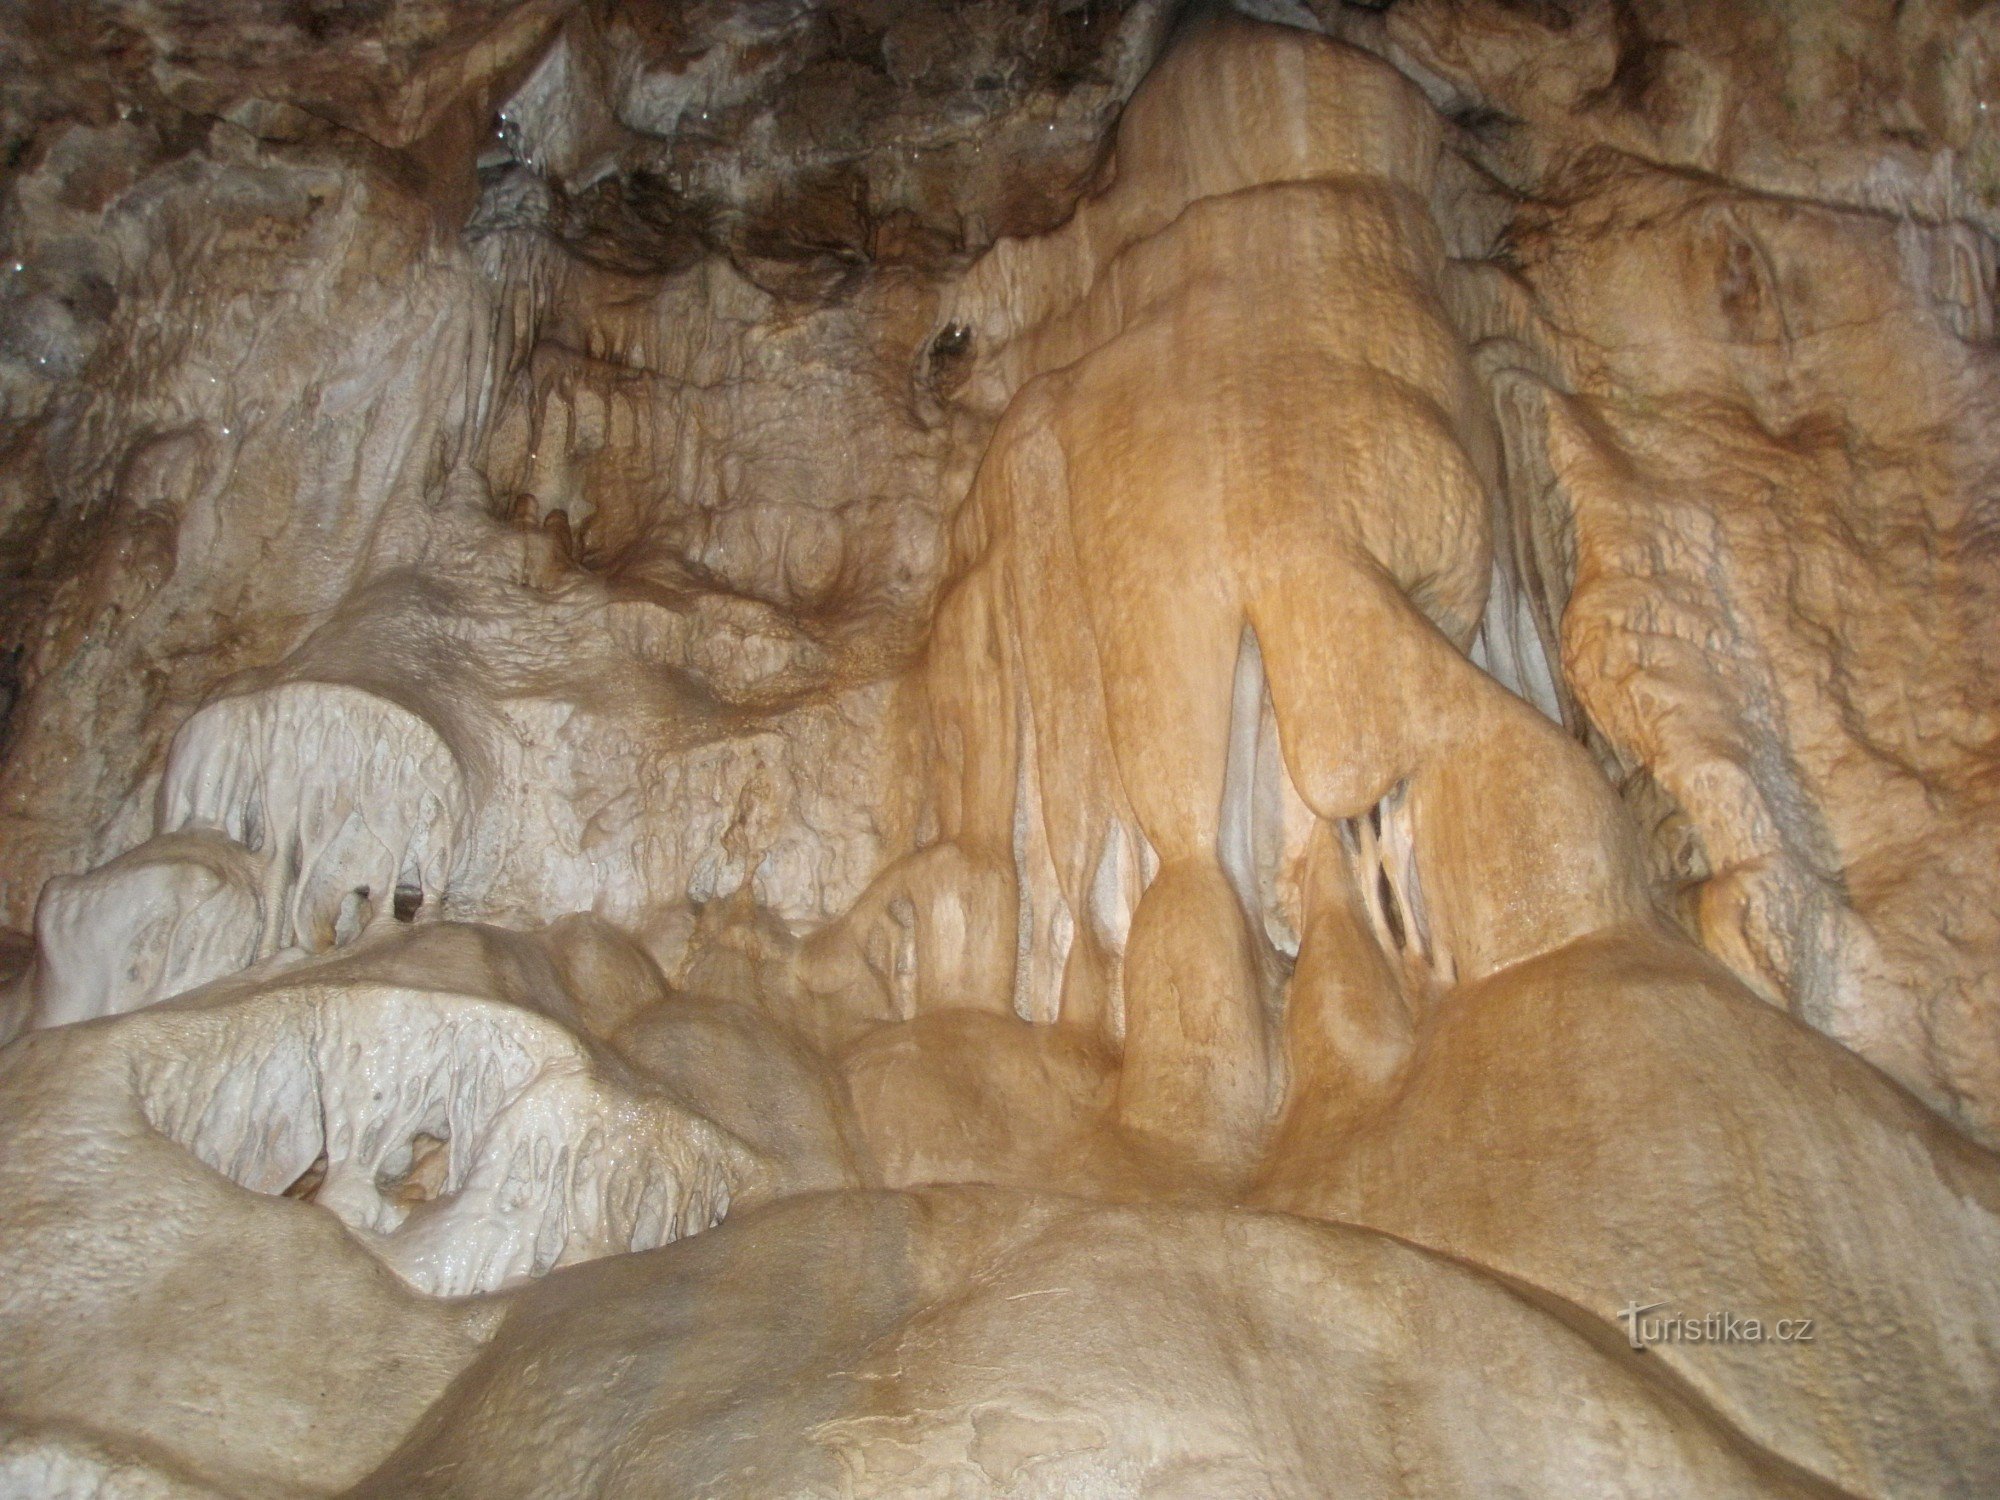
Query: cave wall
[{"x": 1268, "y": 642}]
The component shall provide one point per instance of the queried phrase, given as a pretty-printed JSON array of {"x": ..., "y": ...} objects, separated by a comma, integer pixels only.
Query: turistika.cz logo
[{"x": 1648, "y": 1325}]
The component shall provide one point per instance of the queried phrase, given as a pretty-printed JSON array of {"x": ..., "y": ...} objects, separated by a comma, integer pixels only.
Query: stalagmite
[{"x": 1156, "y": 748}]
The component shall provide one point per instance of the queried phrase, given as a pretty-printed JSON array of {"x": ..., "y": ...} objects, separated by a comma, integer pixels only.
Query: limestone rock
[
  {"x": 172, "y": 914},
  {"x": 1023, "y": 748},
  {"x": 1061, "y": 1349}
]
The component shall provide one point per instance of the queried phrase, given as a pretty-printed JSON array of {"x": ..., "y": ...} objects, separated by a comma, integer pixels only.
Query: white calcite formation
[
  {"x": 433, "y": 1109},
  {"x": 348, "y": 804},
  {"x": 172, "y": 914},
  {"x": 999, "y": 749},
  {"x": 467, "y": 1143}
]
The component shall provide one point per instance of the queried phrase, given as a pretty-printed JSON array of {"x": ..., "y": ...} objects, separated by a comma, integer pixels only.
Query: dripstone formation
[{"x": 1033, "y": 748}]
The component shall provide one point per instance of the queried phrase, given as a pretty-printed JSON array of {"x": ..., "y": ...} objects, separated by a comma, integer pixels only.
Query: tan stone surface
[
  {"x": 957, "y": 1342},
  {"x": 1006, "y": 749}
]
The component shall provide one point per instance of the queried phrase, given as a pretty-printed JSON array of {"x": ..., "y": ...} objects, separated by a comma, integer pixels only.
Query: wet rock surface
[{"x": 1018, "y": 748}]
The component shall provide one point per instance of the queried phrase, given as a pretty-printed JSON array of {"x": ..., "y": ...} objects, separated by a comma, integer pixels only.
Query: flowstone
[{"x": 998, "y": 749}]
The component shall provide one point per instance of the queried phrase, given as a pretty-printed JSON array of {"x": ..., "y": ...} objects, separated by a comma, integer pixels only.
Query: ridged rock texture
[{"x": 1031, "y": 748}]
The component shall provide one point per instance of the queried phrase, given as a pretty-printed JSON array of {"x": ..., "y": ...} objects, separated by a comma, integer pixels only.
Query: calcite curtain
[{"x": 1076, "y": 748}]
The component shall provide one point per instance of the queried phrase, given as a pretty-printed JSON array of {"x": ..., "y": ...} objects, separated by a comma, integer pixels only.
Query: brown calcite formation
[
  {"x": 885, "y": 748},
  {"x": 1841, "y": 876}
]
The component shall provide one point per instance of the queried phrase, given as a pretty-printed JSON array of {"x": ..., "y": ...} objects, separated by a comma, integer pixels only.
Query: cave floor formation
[{"x": 1027, "y": 748}]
